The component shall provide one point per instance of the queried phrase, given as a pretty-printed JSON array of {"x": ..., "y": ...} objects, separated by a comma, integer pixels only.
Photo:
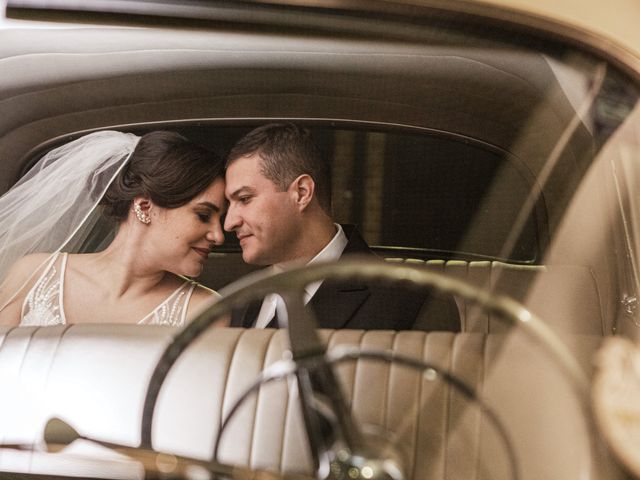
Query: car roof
[
  {"x": 614, "y": 21},
  {"x": 108, "y": 72},
  {"x": 609, "y": 28}
]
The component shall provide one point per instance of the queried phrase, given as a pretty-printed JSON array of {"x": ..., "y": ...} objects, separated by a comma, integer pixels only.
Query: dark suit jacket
[{"x": 369, "y": 306}]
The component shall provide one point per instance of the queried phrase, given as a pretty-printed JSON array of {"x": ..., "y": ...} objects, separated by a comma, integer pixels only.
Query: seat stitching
[
  {"x": 225, "y": 384},
  {"x": 387, "y": 402},
  {"x": 466, "y": 309},
  {"x": 492, "y": 289},
  {"x": 285, "y": 430},
  {"x": 26, "y": 351},
  {"x": 480, "y": 391},
  {"x": 447, "y": 411},
  {"x": 354, "y": 381},
  {"x": 463, "y": 311},
  {"x": 257, "y": 396},
  {"x": 19, "y": 373},
  {"x": 53, "y": 357},
  {"x": 419, "y": 413},
  {"x": 47, "y": 375},
  {"x": 11, "y": 329}
]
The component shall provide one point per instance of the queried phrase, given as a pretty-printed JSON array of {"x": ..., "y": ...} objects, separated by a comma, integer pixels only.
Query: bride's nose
[{"x": 215, "y": 234}]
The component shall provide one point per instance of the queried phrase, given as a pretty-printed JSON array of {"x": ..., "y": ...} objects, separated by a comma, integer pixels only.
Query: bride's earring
[{"x": 143, "y": 217}]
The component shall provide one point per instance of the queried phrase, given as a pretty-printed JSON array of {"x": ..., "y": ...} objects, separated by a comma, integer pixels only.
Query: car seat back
[{"x": 95, "y": 377}]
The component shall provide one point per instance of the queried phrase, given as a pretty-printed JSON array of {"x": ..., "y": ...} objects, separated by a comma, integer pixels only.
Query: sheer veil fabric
[{"x": 54, "y": 206}]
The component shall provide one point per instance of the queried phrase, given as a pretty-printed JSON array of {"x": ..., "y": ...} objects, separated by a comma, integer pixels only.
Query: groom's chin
[
  {"x": 252, "y": 258},
  {"x": 247, "y": 258}
]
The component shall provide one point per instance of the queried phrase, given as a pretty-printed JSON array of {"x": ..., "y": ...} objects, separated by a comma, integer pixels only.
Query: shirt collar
[{"x": 332, "y": 251}]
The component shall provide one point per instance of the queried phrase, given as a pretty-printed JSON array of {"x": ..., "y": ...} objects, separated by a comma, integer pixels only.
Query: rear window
[{"x": 422, "y": 194}]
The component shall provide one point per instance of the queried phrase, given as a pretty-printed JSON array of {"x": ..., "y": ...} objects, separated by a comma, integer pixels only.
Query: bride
[{"x": 164, "y": 197}]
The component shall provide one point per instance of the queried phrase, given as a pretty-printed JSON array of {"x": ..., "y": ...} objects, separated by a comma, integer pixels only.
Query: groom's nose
[{"x": 231, "y": 220}]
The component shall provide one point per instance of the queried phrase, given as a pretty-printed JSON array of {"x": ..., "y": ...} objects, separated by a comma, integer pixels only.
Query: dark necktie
[{"x": 251, "y": 314}]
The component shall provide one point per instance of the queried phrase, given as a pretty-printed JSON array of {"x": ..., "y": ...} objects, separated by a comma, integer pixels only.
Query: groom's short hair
[{"x": 287, "y": 151}]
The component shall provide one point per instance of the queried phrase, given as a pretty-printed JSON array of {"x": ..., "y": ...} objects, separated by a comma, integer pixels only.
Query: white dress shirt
[{"x": 332, "y": 251}]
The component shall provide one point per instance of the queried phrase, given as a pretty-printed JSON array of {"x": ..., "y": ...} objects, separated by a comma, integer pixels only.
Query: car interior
[{"x": 499, "y": 160}]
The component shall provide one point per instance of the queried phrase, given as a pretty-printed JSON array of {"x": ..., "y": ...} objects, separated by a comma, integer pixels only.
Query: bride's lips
[{"x": 203, "y": 252}]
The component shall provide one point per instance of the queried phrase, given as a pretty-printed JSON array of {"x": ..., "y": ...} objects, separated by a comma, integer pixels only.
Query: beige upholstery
[
  {"x": 95, "y": 377},
  {"x": 566, "y": 297}
]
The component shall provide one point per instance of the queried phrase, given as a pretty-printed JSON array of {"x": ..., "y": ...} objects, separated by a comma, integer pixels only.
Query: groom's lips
[{"x": 242, "y": 237}]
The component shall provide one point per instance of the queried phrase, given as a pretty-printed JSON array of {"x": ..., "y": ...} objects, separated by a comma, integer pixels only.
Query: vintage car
[{"x": 486, "y": 150}]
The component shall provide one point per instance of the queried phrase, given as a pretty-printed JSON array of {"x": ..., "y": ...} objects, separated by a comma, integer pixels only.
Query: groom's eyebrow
[{"x": 240, "y": 191}]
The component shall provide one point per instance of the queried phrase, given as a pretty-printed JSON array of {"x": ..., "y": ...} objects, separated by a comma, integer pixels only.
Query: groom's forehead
[
  {"x": 240, "y": 183},
  {"x": 246, "y": 170},
  {"x": 245, "y": 163}
]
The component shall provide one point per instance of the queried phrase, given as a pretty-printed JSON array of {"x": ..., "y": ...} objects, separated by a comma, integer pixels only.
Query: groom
[{"x": 278, "y": 188}]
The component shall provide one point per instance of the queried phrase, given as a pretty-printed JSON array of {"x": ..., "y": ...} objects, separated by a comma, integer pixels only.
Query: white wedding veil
[{"x": 54, "y": 206}]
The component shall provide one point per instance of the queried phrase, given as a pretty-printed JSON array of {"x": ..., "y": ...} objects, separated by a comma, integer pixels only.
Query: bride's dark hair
[{"x": 166, "y": 168}]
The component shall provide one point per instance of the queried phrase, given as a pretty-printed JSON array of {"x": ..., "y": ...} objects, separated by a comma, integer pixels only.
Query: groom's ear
[{"x": 303, "y": 189}]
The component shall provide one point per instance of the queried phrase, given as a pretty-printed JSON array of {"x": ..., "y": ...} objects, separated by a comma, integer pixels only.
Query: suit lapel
[{"x": 334, "y": 306}]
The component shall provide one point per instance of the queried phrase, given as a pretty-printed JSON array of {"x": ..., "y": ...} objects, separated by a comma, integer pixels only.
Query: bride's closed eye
[{"x": 204, "y": 216}]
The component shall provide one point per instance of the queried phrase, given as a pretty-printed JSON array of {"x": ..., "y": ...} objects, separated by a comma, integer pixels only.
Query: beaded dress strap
[
  {"x": 42, "y": 303},
  {"x": 172, "y": 311}
]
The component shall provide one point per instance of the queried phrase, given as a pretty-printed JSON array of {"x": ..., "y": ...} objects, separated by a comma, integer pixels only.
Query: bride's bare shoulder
[
  {"x": 18, "y": 280},
  {"x": 25, "y": 266}
]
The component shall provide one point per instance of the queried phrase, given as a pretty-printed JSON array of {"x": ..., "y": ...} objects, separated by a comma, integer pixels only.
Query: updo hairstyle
[{"x": 164, "y": 167}]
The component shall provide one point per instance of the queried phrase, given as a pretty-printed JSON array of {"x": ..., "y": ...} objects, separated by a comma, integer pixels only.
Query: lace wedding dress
[{"x": 43, "y": 304}]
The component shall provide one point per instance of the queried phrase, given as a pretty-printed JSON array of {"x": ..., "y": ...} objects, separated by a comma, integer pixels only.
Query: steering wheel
[{"x": 312, "y": 366}]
